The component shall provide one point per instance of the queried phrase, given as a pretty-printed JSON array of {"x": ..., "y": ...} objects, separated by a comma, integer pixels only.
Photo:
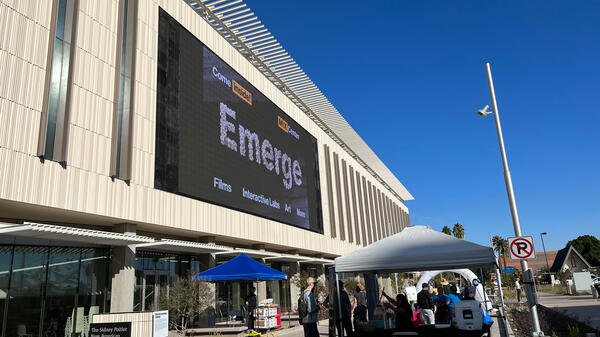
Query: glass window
[
  {"x": 55, "y": 125},
  {"x": 231, "y": 296},
  {"x": 122, "y": 115},
  {"x": 93, "y": 282},
  {"x": 61, "y": 290},
  {"x": 26, "y": 289},
  {"x": 279, "y": 291},
  {"x": 156, "y": 272},
  {"x": 5, "y": 263}
]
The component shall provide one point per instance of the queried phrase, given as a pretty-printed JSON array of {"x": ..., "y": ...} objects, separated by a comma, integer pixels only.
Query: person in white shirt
[{"x": 518, "y": 288}]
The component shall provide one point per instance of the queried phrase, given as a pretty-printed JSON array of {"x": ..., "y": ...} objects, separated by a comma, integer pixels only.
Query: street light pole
[
  {"x": 544, "y": 246},
  {"x": 511, "y": 199}
]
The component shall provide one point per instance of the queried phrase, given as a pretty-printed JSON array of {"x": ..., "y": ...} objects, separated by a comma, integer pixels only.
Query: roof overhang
[
  {"x": 288, "y": 258},
  {"x": 179, "y": 246},
  {"x": 71, "y": 234},
  {"x": 319, "y": 261},
  {"x": 254, "y": 253}
]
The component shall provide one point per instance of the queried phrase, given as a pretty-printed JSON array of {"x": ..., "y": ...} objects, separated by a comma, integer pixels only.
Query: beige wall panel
[{"x": 84, "y": 186}]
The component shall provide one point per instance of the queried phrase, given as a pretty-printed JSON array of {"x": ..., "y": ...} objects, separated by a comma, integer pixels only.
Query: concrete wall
[{"x": 82, "y": 192}]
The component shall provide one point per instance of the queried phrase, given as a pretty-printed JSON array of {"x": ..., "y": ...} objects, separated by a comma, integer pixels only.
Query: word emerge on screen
[{"x": 220, "y": 140}]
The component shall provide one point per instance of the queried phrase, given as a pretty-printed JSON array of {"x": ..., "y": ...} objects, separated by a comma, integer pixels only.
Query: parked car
[{"x": 595, "y": 279}]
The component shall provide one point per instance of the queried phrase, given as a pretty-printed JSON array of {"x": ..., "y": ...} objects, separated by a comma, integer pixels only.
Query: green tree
[
  {"x": 458, "y": 230},
  {"x": 446, "y": 230},
  {"x": 589, "y": 247},
  {"x": 501, "y": 247}
]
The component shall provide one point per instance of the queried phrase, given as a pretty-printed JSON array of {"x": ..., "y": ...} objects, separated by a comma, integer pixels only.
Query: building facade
[
  {"x": 536, "y": 264},
  {"x": 139, "y": 144},
  {"x": 569, "y": 259}
]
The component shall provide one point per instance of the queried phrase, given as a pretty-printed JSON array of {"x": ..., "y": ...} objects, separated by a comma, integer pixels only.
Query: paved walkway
[
  {"x": 581, "y": 308},
  {"x": 298, "y": 332}
]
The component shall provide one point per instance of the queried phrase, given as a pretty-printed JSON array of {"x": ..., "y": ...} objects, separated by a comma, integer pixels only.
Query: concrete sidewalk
[
  {"x": 298, "y": 331},
  {"x": 323, "y": 325}
]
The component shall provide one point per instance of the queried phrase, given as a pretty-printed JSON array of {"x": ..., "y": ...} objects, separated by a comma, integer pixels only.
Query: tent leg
[
  {"x": 337, "y": 286},
  {"x": 486, "y": 299},
  {"x": 397, "y": 291},
  {"x": 502, "y": 311}
]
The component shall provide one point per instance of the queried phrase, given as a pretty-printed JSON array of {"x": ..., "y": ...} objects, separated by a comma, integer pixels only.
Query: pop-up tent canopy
[
  {"x": 241, "y": 267},
  {"x": 417, "y": 248}
]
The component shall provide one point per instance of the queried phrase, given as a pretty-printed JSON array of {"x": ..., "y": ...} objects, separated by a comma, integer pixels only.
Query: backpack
[{"x": 302, "y": 308}]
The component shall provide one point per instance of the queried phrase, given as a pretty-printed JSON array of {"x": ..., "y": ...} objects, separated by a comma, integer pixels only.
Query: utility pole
[
  {"x": 544, "y": 246},
  {"x": 529, "y": 285}
]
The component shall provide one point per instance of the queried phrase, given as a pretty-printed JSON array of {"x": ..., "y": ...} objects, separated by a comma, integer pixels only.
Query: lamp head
[
  {"x": 484, "y": 111},
  {"x": 544, "y": 233}
]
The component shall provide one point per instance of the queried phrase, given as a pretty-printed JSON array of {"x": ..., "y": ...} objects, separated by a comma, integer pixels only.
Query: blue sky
[{"x": 409, "y": 76}]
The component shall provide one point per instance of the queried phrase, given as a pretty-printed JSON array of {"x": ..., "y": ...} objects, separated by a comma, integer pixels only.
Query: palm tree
[
  {"x": 446, "y": 230},
  {"x": 458, "y": 230},
  {"x": 501, "y": 247}
]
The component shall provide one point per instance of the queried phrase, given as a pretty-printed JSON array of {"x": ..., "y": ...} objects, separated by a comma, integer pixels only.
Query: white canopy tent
[
  {"x": 416, "y": 248},
  {"x": 470, "y": 276}
]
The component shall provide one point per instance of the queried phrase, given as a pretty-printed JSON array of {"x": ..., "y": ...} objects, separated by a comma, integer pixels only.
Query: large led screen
[{"x": 220, "y": 140}]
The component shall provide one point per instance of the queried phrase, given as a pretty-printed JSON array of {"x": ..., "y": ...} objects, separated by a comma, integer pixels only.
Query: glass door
[{"x": 154, "y": 281}]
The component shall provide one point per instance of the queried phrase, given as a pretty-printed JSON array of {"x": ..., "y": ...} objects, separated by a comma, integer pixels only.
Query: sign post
[{"x": 537, "y": 331}]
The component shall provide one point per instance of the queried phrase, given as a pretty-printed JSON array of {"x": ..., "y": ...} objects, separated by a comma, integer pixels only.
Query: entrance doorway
[{"x": 154, "y": 283}]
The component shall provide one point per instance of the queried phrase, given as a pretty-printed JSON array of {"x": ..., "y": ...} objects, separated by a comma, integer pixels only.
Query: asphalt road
[{"x": 581, "y": 308}]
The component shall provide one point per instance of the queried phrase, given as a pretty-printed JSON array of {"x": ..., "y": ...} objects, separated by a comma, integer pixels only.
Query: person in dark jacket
[
  {"x": 251, "y": 305},
  {"x": 425, "y": 302},
  {"x": 346, "y": 310},
  {"x": 403, "y": 310}
]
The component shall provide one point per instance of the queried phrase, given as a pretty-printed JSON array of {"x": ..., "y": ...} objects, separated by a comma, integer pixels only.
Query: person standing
[
  {"x": 425, "y": 302},
  {"x": 251, "y": 305},
  {"x": 452, "y": 300},
  {"x": 359, "y": 307},
  {"x": 441, "y": 302},
  {"x": 346, "y": 310},
  {"x": 309, "y": 321},
  {"x": 518, "y": 289},
  {"x": 403, "y": 310}
]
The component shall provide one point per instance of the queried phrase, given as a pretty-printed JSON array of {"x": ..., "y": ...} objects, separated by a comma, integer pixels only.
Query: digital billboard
[{"x": 220, "y": 140}]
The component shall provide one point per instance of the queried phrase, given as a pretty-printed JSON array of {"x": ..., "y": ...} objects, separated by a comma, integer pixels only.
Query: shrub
[
  {"x": 186, "y": 300},
  {"x": 573, "y": 331}
]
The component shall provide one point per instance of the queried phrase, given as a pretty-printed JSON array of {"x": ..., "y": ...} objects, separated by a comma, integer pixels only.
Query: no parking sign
[{"x": 521, "y": 248}]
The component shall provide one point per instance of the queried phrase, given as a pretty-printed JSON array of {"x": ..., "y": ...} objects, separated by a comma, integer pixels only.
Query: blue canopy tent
[{"x": 241, "y": 267}]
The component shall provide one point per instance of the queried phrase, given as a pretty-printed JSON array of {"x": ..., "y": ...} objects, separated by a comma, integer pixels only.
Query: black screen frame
[{"x": 318, "y": 227}]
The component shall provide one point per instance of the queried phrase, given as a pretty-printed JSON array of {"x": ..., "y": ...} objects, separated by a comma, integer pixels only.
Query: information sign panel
[
  {"x": 120, "y": 329},
  {"x": 161, "y": 323}
]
